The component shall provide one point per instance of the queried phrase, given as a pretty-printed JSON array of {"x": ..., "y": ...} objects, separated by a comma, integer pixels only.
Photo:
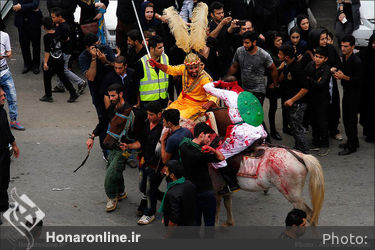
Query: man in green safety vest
[{"x": 153, "y": 83}]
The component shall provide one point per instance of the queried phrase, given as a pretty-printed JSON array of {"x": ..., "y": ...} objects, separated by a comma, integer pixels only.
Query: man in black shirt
[
  {"x": 178, "y": 205},
  {"x": 6, "y": 138},
  {"x": 64, "y": 35},
  {"x": 350, "y": 74},
  {"x": 136, "y": 48},
  {"x": 122, "y": 75},
  {"x": 195, "y": 155},
  {"x": 318, "y": 74},
  {"x": 294, "y": 87},
  {"x": 54, "y": 63},
  {"x": 68, "y": 8},
  {"x": 28, "y": 20},
  {"x": 221, "y": 28},
  {"x": 125, "y": 22},
  {"x": 114, "y": 184},
  {"x": 151, "y": 176},
  {"x": 95, "y": 62}
]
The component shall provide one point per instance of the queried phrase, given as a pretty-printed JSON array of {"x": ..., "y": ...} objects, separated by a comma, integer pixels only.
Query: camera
[
  {"x": 100, "y": 47},
  {"x": 241, "y": 22}
]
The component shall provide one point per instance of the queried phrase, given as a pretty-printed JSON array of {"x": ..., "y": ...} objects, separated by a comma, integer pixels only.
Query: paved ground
[{"x": 53, "y": 145}]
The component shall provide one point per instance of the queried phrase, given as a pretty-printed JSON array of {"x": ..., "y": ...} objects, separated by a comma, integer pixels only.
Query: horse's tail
[{"x": 316, "y": 186}]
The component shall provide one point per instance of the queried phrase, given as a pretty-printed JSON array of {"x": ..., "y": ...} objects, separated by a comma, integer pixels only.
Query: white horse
[{"x": 281, "y": 169}]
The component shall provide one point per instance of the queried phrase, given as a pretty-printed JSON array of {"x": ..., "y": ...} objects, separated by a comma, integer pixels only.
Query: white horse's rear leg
[
  {"x": 218, "y": 204},
  {"x": 294, "y": 196},
  {"x": 228, "y": 207}
]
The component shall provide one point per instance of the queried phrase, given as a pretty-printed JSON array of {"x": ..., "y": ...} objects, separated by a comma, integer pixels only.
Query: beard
[
  {"x": 250, "y": 48},
  {"x": 114, "y": 102}
]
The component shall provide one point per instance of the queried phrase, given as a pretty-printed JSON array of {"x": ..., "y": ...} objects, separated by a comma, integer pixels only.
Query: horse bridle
[{"x": 126, "y": 128}]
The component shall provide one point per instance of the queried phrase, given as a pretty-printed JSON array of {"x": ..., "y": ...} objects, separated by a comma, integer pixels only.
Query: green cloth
[
  {"x": 189, "y": 141},
  {"x": 171, "y": 184},
  {"x": 114, "y": 180}
]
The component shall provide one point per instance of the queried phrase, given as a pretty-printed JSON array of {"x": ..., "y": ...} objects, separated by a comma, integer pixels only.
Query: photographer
[{"x": 95, "y": 62}]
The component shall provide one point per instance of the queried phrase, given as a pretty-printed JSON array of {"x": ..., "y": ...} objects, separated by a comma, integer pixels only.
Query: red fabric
[
  {"x": 184, "y": 95},
  {"x": 229, "y": 86}
]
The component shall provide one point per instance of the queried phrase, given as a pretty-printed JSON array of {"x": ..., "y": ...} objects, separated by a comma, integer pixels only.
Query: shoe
[
  {"x": 25, "y": 70},
  {"x": 323, "y": 151},
  {"x": 142, "y": 206},
  {"x": 73, "y": 98},
  {"x": 122, "y": 196},
  {"x": 81, "y": 87},
  {"x": 111, "y": 205},
  {"x": 338, "y": 137},
  {"x": 275, "y": 135},
  {"x": 347, "y": 151},
  {"x": 314, "y": 148},
  {"x": 17, "y": 126},
  {"x": 46, "y": 99},
  {"x": 343, "y": 145},
  {"x": 58, "y": 89},
  {"x": 36, "y": 70},
  {"x": 144, "y": 220}
]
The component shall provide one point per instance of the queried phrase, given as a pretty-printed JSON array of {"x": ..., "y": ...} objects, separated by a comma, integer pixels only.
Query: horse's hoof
[
  {"x": 265, "y": 192},
  {"x": 227, "y": 224}
]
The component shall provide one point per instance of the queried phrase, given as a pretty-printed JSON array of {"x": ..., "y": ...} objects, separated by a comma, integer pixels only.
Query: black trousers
[
  {"x": 149, "y": 186},
  {"x": 272, "y": 95},
  {"x": 56, "y": 67},
  {"x": 261, "y": 98},
  {"x": 350, "y": 108},
  {"x": 319, "y": 121},
  {"x": 4, "y": 178},
  {"x": 30, "y": 36}
]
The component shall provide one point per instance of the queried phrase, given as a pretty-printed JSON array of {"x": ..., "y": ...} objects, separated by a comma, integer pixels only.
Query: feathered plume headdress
[{"x": 197, "y": 38}]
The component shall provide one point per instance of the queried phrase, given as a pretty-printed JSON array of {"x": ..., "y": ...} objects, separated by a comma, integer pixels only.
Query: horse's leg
[
  {"x": 218, "y": 204},
  {"x": 228, "y": 207}
]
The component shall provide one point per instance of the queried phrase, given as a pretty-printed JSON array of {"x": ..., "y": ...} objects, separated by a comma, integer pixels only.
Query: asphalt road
[{"x": 53, "y": 145}]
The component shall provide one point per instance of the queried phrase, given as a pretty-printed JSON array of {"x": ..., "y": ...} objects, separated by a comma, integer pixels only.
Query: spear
[{"x": 140, "y": 28}]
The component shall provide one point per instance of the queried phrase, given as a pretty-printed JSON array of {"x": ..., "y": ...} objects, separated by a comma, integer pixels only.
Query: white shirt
[{"x": 4, "y": 47}]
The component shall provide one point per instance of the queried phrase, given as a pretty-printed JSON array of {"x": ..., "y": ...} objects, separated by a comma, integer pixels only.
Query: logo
[{"x": 24, "y": 216}]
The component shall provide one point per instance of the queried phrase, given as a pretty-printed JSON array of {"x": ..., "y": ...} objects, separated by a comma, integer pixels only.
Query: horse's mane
[{"x": 124, "y": 109}]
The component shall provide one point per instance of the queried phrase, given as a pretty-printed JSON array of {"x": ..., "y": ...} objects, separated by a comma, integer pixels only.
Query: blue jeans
[{"x": 7, "y": 83}]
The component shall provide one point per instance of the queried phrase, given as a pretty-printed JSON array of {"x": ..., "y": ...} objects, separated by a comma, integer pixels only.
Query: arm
[
  {"x": 295, "y": 98},
  {"x": 15, "y": 149},
  {"x": 45, "y": 62},
  {"x": 30, "y": 6},
  {"x": 215, "y": 33},
  {"x": 212, "y": 90},
  {"x": 134, "y": 145},
  {"x": 274, "y": 75},
  {"x": 165, "y": 156},
  {"x": 170, "y": 70},
  {"x": 323, "y": 81},
  {"x": 233, "y": 68}
]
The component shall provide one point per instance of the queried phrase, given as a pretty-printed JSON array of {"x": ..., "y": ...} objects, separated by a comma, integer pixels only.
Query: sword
[{"x": 84, "y": 161}]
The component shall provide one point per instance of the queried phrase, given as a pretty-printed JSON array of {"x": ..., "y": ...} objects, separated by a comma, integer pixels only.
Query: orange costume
[{"x": 193, "y": 96}]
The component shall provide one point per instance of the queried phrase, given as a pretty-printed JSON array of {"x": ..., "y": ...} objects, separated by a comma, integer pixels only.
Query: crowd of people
[{"x": 247, "y": 40}]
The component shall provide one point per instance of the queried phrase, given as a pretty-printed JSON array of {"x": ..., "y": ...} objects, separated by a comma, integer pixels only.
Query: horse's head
[{"x": 119, "y": 125}]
